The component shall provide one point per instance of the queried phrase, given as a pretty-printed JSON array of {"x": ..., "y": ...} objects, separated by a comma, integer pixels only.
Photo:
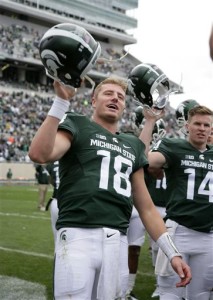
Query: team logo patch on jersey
[
  {"x": 115, "y": 140},
  {"x": 201, "y": 156},
  {"x": 189, "y": 156}
]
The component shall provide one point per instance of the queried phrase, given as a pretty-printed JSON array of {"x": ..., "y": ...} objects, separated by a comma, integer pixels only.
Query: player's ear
[{"x": 93, "y": 102}]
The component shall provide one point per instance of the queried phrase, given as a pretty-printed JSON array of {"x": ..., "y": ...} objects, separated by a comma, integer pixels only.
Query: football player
[
  {"x": 210, "y": 139},
  {"x": 101, "y": 169},
  {"x": 136, "y": 231},
  {"x": 158, "y": 193},
  {"x": 188, "y": 167}
]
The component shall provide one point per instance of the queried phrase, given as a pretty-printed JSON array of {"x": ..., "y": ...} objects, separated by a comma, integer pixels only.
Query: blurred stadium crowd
[
  {"x": 21, "y": 41},
  {"x": 24, "y": 105}
]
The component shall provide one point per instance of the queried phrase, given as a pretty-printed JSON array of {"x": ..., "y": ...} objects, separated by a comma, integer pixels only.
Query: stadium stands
[{"x": 25, "y": 91}]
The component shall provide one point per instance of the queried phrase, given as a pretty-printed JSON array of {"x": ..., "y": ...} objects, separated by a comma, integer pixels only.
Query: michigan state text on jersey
[{"x": 189, "y": 182}]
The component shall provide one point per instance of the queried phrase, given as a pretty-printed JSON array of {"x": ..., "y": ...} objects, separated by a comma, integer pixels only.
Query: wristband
[
  {"x": 167, "y": 246},
  {"x": 58, "y": 108}
]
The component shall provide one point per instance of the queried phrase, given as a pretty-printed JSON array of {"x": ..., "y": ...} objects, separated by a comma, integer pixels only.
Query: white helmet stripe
[
  {"x": 62, "y": 32},
  {"x": 151, "y": 69}
]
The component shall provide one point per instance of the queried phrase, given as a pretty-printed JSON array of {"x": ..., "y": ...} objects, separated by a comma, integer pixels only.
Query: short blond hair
[
  {"x": 199, "y": 110},
  {"x": 111, "y": 80}
]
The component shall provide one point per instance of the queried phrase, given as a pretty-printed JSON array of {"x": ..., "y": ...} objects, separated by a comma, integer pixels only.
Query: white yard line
[
  {"x": 27, "y": 252},
  {"x": 52, "y": 256},
  {"x": 146, "y": 274},
  {"x": 23, "y": 216}
]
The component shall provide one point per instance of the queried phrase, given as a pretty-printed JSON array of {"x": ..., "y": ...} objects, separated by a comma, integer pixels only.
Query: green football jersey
[
  {"x": 189, "y": 176},
  {"x": 157, "y": 190},
  {"x": 95, "y": 188}
]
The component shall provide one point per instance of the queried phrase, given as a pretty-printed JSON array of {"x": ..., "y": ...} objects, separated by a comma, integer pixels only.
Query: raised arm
[
  {"x": 156, "y": 159},
  {"x": 146, "y": 133},
  {"x": 49, "y": 144},
  {"x": 156, "y": 228}
]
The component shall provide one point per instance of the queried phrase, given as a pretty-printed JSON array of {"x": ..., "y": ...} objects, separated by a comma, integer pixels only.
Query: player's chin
[
  {"x": 202, "y": 139},
  {"x": 114, "y": 115}
]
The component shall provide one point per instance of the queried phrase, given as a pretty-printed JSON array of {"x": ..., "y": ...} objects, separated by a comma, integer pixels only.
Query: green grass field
[{"x": 26, "y": 249}]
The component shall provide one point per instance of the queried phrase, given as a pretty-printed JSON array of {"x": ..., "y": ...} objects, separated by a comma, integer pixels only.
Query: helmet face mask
[
  {"x": 68, "y": 52},
  {"x": 159, "y": 131},
  {"x": 160, "y": 96},
  {"x": 149, "y": 85}
]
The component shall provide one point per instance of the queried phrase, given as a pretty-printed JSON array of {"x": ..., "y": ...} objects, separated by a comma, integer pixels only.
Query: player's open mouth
[{"x": 112, "y": 106}]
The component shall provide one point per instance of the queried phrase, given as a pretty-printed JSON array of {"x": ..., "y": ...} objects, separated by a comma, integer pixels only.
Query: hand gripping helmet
[
  {"x": 159, "y": 131},
  {"x": 182, "y": 111},
  {"x": 68, "y": 52},
  {"x": 149, "y": 85}
]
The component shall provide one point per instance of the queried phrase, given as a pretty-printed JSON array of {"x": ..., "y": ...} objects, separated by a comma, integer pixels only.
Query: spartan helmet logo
[
  {"x": 181, "y": 109},
  {"x": 201, "y": 156},
  {"x": 180, "y": 116},
  {"x": 52, "y": 63}
]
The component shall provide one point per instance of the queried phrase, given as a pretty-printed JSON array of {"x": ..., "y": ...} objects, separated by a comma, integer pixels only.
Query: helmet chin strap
[
  {"x": 151, "y": 110},
  {"x": 92, "y": 82}
]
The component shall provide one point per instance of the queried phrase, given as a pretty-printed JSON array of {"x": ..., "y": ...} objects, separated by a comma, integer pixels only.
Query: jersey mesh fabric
[
  {"x": 95, "y": 189},
  {"x": 189, "y": 179}
]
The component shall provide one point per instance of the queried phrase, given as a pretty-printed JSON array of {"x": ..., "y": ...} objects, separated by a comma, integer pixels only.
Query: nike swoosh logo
[
  {"x": 211, "y": 160},
  {"x": 109, "y": 235},
  {"x": 127, "y": 147}
]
